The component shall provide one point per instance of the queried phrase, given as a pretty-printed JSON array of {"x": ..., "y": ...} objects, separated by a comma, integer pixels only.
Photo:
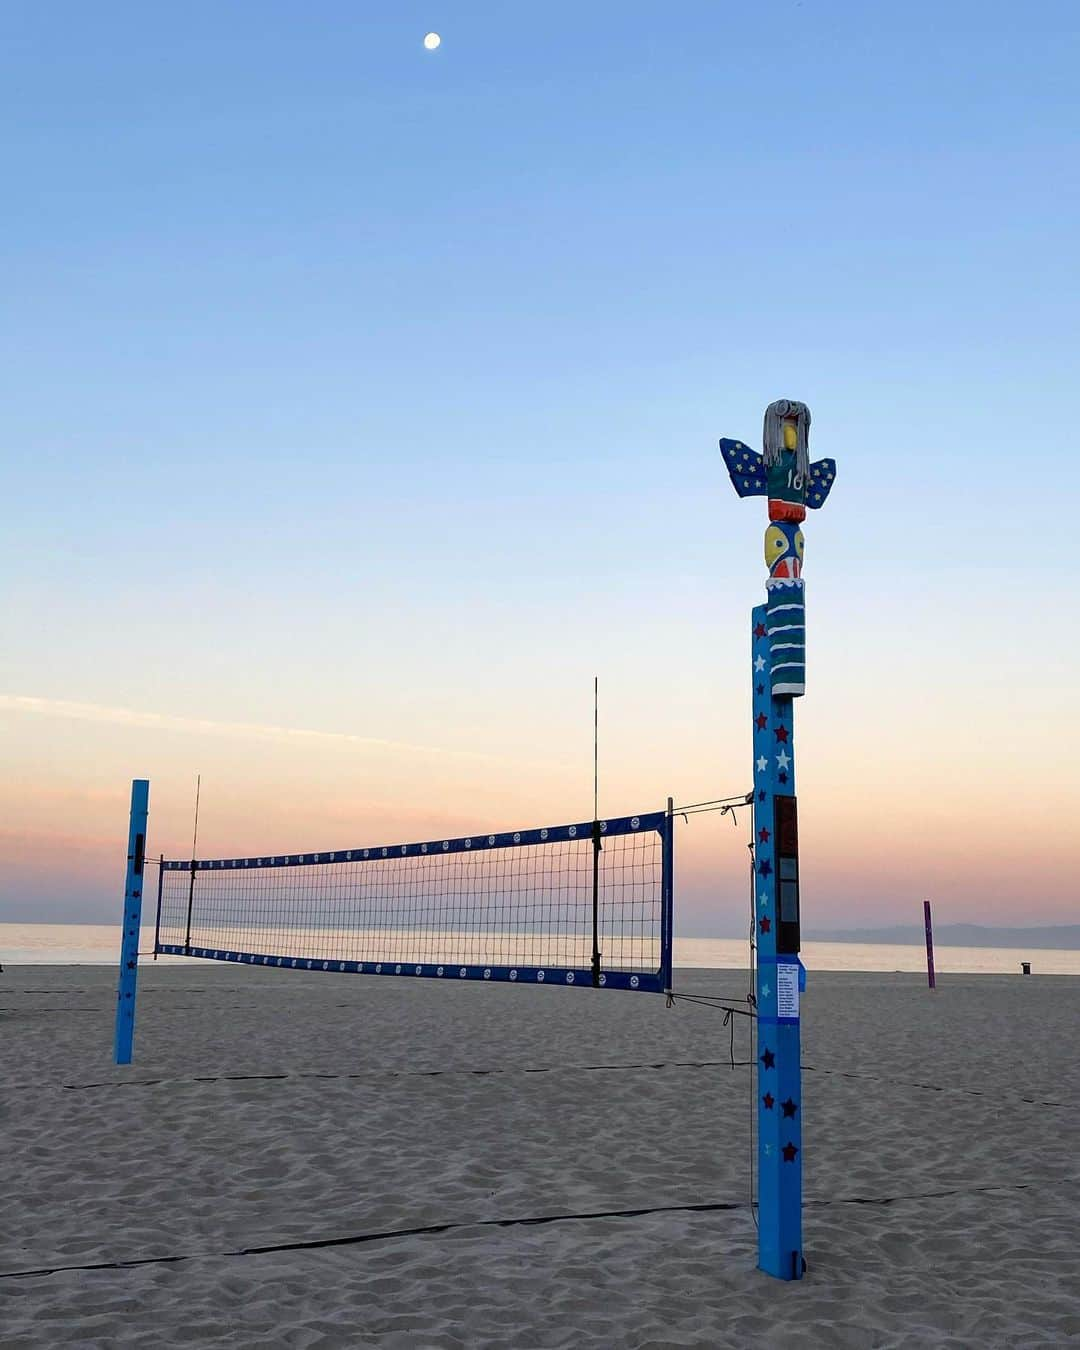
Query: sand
[{"x": 269, "y": 1108}]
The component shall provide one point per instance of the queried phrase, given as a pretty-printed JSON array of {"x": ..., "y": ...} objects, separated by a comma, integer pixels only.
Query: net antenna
[
  {"x": 596, "y": 748},
  {"x": 194, "y": 855},
  {"x": 596, "y": 835}
]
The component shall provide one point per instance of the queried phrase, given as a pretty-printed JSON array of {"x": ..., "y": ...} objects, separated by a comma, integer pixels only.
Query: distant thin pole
[
  {"x": 596, "y": 836},
  {"x": 194, "y": 846},
  {"x": 929, "y": 945}
]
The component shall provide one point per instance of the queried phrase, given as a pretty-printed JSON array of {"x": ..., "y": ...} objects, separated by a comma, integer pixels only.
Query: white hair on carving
[{"x": 773, "y": 434}]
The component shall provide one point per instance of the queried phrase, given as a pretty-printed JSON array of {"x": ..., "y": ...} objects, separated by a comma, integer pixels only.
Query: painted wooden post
[
  {"x": 129, "y": 943},
  {"x": 930, "y": 978},
  {"x": 784, "y": 475}
]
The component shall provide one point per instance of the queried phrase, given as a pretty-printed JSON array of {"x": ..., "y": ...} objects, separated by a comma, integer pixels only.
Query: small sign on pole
[{"x": 929, "y": 945}]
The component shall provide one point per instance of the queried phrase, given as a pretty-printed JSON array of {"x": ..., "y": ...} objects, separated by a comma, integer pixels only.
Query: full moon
[{"x": 431, "y": 41}]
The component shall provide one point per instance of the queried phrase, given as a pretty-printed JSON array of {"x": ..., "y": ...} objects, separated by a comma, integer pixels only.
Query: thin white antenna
[
  {"x": 195, "y": 834},
  {"x": 596, "y": 749},
  {"x": 191, "y": 879}
]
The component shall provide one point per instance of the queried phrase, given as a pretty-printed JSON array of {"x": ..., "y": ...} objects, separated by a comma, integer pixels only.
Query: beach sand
[{"x": 268, "y": 1108}]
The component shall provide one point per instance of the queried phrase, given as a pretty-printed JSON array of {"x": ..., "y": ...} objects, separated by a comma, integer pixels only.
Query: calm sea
[{"x": 99, "y": 944}]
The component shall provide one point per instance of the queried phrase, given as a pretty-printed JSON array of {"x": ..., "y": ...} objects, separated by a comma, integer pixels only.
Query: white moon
[{"x": 431, "y": 41}]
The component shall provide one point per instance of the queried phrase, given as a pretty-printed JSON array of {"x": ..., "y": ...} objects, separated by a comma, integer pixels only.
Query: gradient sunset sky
[{"x": 360, "y": 404}]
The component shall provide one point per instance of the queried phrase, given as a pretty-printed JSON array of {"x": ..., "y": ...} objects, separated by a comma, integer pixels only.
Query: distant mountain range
[{"x": 1058, "y": 937}]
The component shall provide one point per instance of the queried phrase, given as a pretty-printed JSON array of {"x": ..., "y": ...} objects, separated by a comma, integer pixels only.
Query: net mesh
[{"x": 493, "y": 906}]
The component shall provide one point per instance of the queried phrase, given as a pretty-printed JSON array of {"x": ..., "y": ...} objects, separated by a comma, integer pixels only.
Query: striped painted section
[{"x": 785, "y": 627}]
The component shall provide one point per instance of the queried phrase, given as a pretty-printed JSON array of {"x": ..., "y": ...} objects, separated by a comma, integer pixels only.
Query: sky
[{"x": 360, "y": 404}]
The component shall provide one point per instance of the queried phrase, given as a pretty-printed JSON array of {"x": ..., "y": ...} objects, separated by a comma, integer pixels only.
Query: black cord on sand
[
  {"x": 534, "y": 1221},
  {"x": 382, "y": 1074},
  {"x": 365, "y": 1076}
]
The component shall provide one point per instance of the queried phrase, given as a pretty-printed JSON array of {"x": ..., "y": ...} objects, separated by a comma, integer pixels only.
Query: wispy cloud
[{"x": 68, "y": 710}]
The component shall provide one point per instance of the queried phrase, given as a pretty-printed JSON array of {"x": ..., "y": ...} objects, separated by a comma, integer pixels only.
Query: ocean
[{"x": 99, "y": 944}]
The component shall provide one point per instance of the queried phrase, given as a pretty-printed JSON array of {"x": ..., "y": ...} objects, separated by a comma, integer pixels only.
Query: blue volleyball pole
[
  {"x": 792, "y": 485},
  {"x": 129, "y": 943},
  {"x": 776, "y": 912},
  {"x": 667, "y": 913}
]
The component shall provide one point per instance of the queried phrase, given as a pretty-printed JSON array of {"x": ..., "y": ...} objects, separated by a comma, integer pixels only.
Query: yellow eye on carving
[
  {"x": 800, "y": 544},
  {"x": 775, "y": 544}
]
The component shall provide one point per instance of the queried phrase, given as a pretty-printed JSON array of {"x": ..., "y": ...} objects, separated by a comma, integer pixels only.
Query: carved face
[
  {"x": 791, "y": 435},
  {"x": 784, "y": 549}
]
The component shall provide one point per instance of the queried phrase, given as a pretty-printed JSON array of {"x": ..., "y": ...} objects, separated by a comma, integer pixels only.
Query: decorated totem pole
[{"x": 784, "y": 475}]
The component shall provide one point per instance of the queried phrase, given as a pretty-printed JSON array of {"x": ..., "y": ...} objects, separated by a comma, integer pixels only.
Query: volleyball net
[{"x": 589, "y": 903}]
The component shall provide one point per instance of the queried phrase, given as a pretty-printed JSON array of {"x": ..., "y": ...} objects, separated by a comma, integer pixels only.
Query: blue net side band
[
  {"x": 646, "y": 981},
  {"x": 552, "y": 834}
]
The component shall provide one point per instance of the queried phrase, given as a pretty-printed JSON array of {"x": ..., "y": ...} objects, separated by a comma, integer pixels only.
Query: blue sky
[{"x": 356, "y": 388}]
